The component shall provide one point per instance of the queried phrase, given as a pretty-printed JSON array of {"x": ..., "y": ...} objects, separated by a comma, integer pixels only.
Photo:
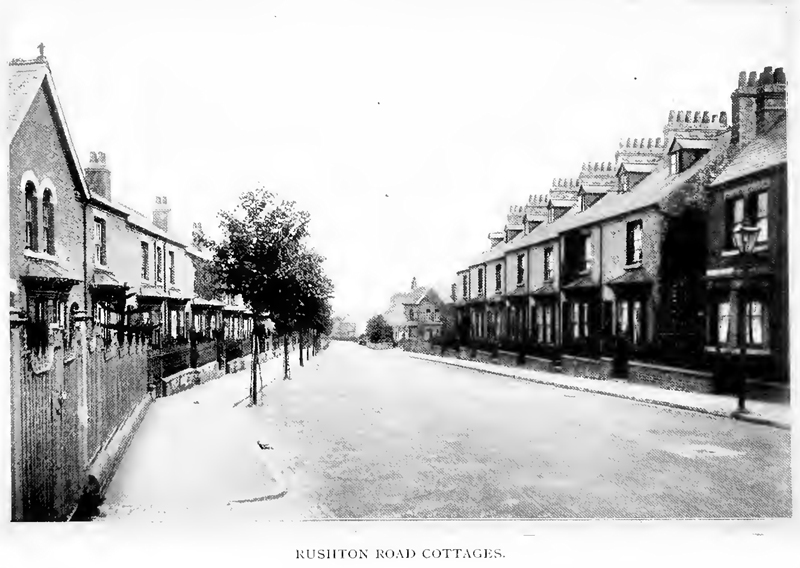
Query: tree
[
  {"x": 314, "y": 292},
  {"x": 261, "y": 243},
  {"x": 377, "y": 330}
]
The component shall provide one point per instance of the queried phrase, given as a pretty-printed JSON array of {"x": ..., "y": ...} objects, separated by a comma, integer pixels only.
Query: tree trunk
[
  {"x": 253, "y": 370},
  {"x": 300, "y": 345},
  {"x": 286, "y": 373}
]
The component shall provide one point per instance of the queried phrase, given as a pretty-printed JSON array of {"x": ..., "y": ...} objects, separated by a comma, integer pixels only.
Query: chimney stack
[
  {"x": 98, "y": 178},
  {"x": 770, "y": 99},
  {"x": 743, "y": 109},
  {"x": 197, "y": 235},
  {"x": 161, "y": 214}
]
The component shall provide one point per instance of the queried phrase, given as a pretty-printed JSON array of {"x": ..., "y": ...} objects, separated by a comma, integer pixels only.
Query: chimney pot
[
  {"x": 97, "y": 176},
  {"x": 766, "y": 76},
  {"x": 628, "y": 145},
  {"x": 635, "y": 142},
  {"x": 723, "y": 118},
  {"x": 658, "y": 142},
  {"x": 161, "y": 214},
  {"x": 649, "y": 142},
  {"x": 742, "y": 78},
  {"x": 680, "y": 116},
  {"x": 751, "y": 80},
  {"x": 697, "y": 116},
  {"x": 671, "y": 116},
  {"x": 713, "y": 119},
  {"x": 780, "y": 76},
  {"x": 687, "y": 117}
]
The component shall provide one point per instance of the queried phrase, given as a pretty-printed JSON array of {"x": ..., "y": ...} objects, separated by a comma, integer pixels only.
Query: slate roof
[
  {"x": 649, "y": 192},
  {"x": 105, "y": 279},
  {"x": 584, "y": 281},
  {"x": 763, "y": 152},
  {"x": 547, "y": 290},
  {"x": 632, "y": 277},
  {"x": 46, "y": 270}
]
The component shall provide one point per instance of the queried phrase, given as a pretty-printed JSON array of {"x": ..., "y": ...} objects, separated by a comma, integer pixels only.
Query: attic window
[
  {"x": 625, "y": 182},
  {"x": 674, "y": 163}
]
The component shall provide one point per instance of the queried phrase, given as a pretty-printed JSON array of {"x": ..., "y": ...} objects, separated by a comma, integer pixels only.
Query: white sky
[{"x": 481, "y": 104}]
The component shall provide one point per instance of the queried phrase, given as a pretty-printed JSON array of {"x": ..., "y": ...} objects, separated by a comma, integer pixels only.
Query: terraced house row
[
  {"x": 646, "y": 255},
  {"x": 109, "y": 308}
]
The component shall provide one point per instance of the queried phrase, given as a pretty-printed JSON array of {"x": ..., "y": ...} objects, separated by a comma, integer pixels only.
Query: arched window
[
  {"x": 31, "y": 215},
  {"x": 47, "y": 223}
]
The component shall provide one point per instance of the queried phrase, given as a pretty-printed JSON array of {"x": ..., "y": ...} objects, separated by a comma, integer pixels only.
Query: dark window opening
[
  {"x": 47, "y": 223},
  {"x": 31, "y": 215}
]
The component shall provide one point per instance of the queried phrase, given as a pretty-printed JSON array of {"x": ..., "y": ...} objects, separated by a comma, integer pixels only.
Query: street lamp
[{"x": 744, "y": 237}]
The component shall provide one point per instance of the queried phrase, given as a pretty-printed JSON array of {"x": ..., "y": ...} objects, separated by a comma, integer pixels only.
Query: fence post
[
  {"x": 81, "y": 318},
  {"x": 16, "y": 340}
]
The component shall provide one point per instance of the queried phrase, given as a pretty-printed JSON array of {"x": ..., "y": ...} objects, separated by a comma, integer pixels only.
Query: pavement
[
  {"x": 366, "y": 434},
  {"x": 772, "y": 414},
  {"x": 198, "y": 451}
]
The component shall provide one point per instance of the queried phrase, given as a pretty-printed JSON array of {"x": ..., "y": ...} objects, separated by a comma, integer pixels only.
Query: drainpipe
[{"x": 600, "y": 278}]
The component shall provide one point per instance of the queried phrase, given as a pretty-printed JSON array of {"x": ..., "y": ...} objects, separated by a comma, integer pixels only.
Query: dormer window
[{"x": 684, "y": 152}]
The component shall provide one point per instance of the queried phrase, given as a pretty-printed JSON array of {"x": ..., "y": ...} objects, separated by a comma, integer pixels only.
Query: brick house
[
  {"x": 751, "y": 190},
  {"x": 140, "y": 271},
  {"x": 47, "y": 203}
]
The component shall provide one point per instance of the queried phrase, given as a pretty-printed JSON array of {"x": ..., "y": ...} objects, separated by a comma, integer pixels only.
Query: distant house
[
  {"x": 342, "y": 329},
  {"x": 416, "y": 313}
]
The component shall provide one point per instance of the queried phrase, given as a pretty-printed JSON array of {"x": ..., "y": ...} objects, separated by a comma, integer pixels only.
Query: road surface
[{"x": 372, "y": 434}]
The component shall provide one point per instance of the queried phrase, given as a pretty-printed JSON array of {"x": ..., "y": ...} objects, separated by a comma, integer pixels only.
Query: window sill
[
  {"x": 633, "y": 265},
  {"x": 735, "y": 252},
  {"x": 40, "y": 255},
  {"x": 737, "y": 350}
]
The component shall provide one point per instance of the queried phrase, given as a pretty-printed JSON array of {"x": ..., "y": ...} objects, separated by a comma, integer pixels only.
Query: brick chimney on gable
[
  {"x": 743, "y": 108},
  {"x": 98, "y": 178},
  {"x": 770, "y": 99},
  {"x": 197, "y": 235},
  {"x": 161, "y": 214},
  {"x": 758, "y": 102}
]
